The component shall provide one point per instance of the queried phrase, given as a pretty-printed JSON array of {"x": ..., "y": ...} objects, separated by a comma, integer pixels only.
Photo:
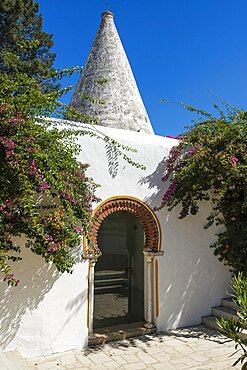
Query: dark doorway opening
[{"x": 119, "y": 272}]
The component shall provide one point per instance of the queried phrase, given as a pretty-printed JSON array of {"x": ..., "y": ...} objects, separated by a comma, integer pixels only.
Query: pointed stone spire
[{"x": 107, "y": 76}]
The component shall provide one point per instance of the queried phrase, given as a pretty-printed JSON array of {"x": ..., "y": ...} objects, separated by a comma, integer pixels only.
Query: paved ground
[
  {"x": 192, "y": 348},
  {"x": 110, "y": 309}
]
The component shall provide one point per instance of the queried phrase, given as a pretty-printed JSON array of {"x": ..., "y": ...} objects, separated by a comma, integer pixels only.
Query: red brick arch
[{"x": 136, "y": 208}]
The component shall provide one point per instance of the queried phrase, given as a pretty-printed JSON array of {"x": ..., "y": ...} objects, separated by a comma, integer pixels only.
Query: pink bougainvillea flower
[
  {"x": 80, "y": 174},
  {"x": 174, "y": 137},
  {"x": 44, "y": 186},
  {"x": 169, "y": 192},
  {"x": 78, "y": 228},
  {"x": 234, "y": 161},
  {"x": 232, "y": 187}
]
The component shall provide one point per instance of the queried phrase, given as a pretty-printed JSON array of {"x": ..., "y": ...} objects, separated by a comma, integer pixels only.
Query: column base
[
  {"x": 92, "y": 336},
  {"x": 149, "y": 325}
]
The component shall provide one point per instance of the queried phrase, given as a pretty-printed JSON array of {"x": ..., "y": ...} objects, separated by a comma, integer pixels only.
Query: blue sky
[{"x": 182, "y": 50}]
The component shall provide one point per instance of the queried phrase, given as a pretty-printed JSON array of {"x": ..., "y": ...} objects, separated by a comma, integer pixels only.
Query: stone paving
[
  {"x": 195, "y": 348},
  {"x": 110, "y": 304}
]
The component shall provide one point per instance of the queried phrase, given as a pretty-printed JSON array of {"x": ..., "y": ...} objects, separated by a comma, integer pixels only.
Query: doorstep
[{"x": 119, "y": 332}]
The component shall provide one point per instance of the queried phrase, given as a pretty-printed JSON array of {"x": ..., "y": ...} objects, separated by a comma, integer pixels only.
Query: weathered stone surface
[
  {"x": 191, "y": 349},
  {"x": 107, "y": 76}
]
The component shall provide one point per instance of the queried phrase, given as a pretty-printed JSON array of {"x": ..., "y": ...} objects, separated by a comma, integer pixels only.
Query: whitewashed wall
[
  {"x": 191, "y": 279},
  {"x": 47, "y": 312}
]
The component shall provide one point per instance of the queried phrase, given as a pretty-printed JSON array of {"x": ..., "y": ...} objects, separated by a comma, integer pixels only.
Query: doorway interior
[{"x": 119, "y": 272}]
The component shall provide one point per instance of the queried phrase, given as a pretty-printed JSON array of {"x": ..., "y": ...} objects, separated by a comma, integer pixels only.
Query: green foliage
[
  {"x": 45, "y": 193},
  {"x": 21, "y": 35},
  {"x": 210, "y": 164},
  {"x": 232, "y": 328}
]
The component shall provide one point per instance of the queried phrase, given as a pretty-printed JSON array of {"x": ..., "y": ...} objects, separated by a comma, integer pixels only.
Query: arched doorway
[
  {"x": 119, "y": 272},
  {"x": 128, "y": 233}
]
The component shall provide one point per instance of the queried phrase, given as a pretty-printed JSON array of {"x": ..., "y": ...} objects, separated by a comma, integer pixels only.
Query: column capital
[
  {"x": 91, "y": 258},
  {"x": 92, "y": 261},
  {"x": 151, "y": 254}
]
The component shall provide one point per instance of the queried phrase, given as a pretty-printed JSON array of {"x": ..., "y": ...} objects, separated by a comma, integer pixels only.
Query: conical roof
[{"x": 107, "y": 76}]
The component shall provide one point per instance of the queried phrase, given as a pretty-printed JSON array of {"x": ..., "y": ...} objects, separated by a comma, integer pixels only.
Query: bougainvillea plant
[
  {"x": 210, "y": 164},
  {"x": 45, "y": 193}
]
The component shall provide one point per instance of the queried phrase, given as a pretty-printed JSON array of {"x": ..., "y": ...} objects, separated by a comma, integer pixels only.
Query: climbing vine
[{"x": 210, "y": 164}]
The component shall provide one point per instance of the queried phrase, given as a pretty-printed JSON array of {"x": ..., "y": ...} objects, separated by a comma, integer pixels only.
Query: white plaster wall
[
  {"x": 191, "y": 279},
  {"x": 47, "y": 311},
  {"x": 115, "y": 175}
]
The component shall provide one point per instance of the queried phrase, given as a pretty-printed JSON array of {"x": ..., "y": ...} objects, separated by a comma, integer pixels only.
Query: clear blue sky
[{"x": 182, "y": 50}]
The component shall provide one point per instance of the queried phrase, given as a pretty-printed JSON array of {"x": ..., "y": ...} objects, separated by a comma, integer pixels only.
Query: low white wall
[{"x": 47, "y": 311}]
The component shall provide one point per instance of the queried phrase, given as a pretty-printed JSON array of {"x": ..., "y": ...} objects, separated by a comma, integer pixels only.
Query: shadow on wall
[
  {"x": 112, "y": 159},
  {"x": 154, "y": 181},
  {"x": 191, "y": 279},
  {"x": 74, "y": 307},
  {"x": 36, "y": 279}
]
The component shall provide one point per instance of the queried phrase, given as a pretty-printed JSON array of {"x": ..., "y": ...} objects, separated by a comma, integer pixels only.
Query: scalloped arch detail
[{"x": 137, "y": 208}]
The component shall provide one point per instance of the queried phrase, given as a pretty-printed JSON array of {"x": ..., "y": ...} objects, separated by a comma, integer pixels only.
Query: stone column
[
  {"x": 92, "y": 263},
  {"x": 149, "y": 258}
]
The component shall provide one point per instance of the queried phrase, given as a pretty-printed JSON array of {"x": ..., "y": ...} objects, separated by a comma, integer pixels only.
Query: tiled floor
[{"x": 195, "y": 348}]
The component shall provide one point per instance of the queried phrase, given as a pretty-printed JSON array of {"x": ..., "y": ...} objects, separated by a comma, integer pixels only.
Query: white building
[{"x": 155, "y": 268}]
